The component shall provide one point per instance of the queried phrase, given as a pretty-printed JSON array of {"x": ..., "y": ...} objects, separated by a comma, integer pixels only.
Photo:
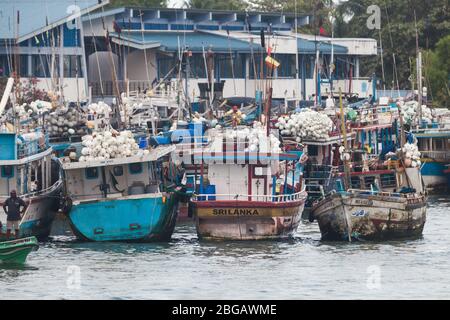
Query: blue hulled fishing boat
[
  {"x": 121, "y": 199},
  {"x": 26, "y": 166}
]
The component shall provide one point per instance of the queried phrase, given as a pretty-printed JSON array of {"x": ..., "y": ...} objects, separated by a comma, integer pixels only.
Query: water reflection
[{"x": 186, "y": 268}]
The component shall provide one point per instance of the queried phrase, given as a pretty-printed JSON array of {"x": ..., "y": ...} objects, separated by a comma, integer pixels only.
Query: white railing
[{"x": 245, "y": 197}]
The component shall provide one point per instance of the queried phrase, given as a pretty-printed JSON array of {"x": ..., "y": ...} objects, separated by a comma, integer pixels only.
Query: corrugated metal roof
[
  {"x": 37, "y": 16},
  {"x": 195, "y": 41}
]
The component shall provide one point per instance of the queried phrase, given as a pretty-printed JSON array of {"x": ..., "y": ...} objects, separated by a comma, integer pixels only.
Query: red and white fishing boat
[{"x": 252, "y": 190}]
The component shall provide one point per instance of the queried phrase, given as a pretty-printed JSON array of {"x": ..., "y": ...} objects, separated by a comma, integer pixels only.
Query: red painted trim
[
  {"x": 250, "y": 180},
  {"x": 245, "y": 204}
]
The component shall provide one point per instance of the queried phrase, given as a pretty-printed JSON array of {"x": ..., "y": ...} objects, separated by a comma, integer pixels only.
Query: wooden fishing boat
[
  {"x": 366, "y": 215},
  {"x": 247, "y": 195},
  {"x": 17, "y": 251},
  {"x": 379, "y": 210}
]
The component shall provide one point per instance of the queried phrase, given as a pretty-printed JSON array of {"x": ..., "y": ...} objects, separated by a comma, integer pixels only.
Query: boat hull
[
  {"x": 246, "y": 220},
  {"x": 433, "y": 175},
  {"x": 145, "y": 219},
  {"x": 17, "y": 251},
  {"x": 345, "y": 217},
  {"x": 37, "y": 220}
]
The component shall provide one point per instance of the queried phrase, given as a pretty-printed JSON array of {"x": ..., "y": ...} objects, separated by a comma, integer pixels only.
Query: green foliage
[
  {"x": 437, "y": 70},
  {"x": 398, "y": 32}
]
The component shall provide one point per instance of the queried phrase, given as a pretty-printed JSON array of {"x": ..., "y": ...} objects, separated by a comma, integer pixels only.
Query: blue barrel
[{"x": 143, "y": 143}]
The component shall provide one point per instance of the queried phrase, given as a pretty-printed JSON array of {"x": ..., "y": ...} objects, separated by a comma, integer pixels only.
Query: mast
[
  {"x": 419, "y": 72},
  {"x": 344, "y": 136},
  {"x": 296, "y": 52}
]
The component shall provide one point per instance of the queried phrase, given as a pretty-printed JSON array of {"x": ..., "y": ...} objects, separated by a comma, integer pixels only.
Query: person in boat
[
  {"x": 236, "y": 116},
  {"x": 12, "y": 207}
]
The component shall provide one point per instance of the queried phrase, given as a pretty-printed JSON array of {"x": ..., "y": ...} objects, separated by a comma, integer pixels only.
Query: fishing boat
[
  {"x": 433, "y": 143},
  {"x": 250, "y": 192},
  {"x": 126, "y": 198},
  {"x": 377, "y": 210},
  {"x": 371, "y": 214},
  {"x": 26, "y": 166},
  {"x": 17, "y": 251}
]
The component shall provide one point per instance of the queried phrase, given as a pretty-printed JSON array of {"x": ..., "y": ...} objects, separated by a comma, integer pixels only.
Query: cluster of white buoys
[
  {"x": 66, "y": 122},
  {"x": 39, "y": 107},
  {"x": 109, "y": 145},
  {"x": 99, "y": 109},
  {"x": 128, "y": 107},
  {"x": 35, "y": 108},
  {"x": 307, "y": 124},
  {"x": 254, "y": 138},
  {"x": 410, "y": 109},
  {"x": 412, "y": 155}
]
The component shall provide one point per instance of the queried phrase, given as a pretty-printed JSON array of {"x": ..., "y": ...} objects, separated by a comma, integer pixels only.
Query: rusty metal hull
[
  {"x": 246, "y": 220},
  {"x": 343, "y": 217}
]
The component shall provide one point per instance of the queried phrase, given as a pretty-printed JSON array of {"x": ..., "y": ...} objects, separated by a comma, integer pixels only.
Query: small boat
[{"x": 17, "y": 251}]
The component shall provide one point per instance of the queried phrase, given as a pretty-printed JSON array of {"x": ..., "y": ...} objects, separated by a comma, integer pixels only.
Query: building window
[
  {"x": 135, "y": 168},
  {"x": 7, "y": 172},
  {"x": 9, "y": 62},
  {"x": 72, "y": 66},
  {"x": 42, "y": 66},
  {"x": 91, "y": 173},
  {"x": 165, "y": 64},
  {"x": 256, "y": 62},
  {"x": 287, "y": 65},
  {"x": 225, "y": 62},
  {"x": 197, "y": 65}
]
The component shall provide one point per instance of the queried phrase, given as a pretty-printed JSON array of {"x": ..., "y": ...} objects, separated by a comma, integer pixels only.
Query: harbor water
[{"x": 300, "y": 268}]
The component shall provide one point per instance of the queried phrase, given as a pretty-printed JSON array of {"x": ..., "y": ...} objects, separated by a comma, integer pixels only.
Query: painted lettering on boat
[
  {"x": 360, "y": 213},
  {"x": 363, "y": 202},
  {"x": 235, "y": 212}
]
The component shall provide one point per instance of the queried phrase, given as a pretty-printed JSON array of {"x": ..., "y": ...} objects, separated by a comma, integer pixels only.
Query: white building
[{"x": 146, "y": 44}]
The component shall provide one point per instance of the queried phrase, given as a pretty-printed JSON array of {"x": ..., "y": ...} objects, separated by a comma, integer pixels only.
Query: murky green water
[{"x": 301, "y": 268}]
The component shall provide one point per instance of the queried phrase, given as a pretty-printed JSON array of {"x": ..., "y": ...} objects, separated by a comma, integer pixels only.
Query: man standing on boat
[{"x": 12, "y": 207}]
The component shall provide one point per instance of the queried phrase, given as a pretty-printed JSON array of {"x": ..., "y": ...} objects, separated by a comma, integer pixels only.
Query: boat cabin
[
  {"x": 25, "y": 163},
  {"x": 116, "y": 178}
]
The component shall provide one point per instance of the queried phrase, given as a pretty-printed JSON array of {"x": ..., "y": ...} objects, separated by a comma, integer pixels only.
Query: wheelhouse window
[
  {"x": 313, "y": 151},
  {"x": 439, "y": 144},
  {"x": 118, "y": 171},
  {"x": 135, "y": 168},
  {"x": 7, "y": 172},
  {"x": 91, "y": 173}
]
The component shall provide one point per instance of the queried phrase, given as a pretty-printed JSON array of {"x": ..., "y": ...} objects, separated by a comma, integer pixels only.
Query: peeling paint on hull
[
  {"x": 370, "y": 217},
  {"x": 246, "y": 220},
  {"x": 137, "y": 220}
]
